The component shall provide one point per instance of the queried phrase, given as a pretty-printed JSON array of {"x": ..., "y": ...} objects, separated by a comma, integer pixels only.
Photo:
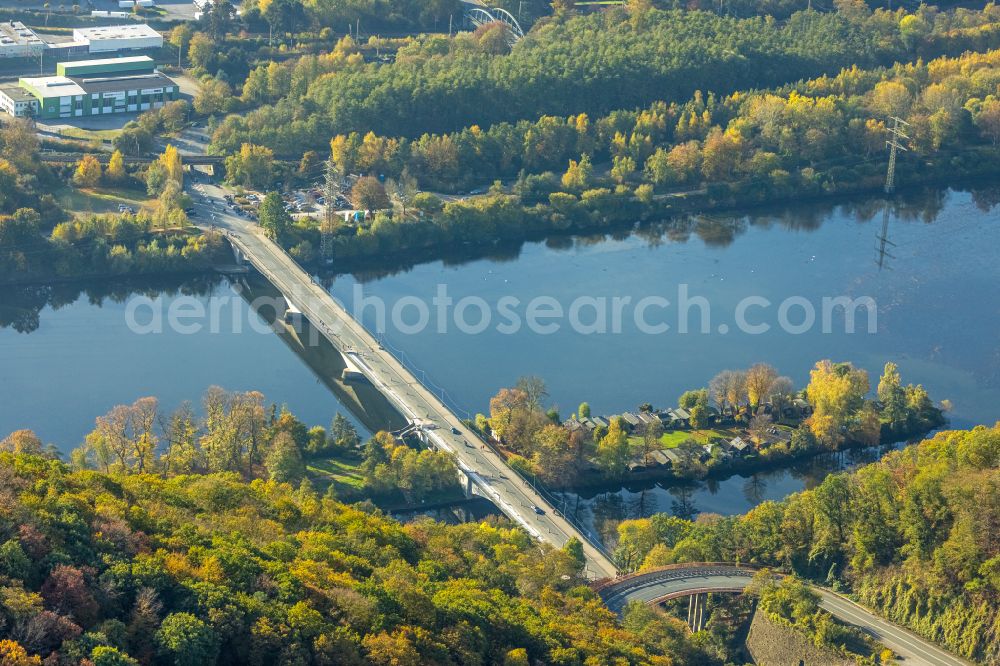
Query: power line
[
  {"x": 329, "y": 224},
  {"x": 895, "y": 145}
]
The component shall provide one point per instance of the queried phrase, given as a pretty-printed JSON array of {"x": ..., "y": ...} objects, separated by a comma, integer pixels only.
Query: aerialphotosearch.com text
[{"x": 682, "y": 312}]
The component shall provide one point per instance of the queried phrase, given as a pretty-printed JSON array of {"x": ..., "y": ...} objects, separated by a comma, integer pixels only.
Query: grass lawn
[
  {"x": 345, "y": 475},
  {"x": 87, "y": 202},
  {"x": 89, "y": 135},
  {"x": 672, "y": 438}
]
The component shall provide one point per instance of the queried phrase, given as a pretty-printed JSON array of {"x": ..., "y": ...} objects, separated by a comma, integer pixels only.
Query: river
[{"x": 935, "y": 300}]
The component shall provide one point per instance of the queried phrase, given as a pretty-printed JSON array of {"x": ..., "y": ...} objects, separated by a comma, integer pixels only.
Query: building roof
[
  {"x": 660, "y": 457},
  {"x": 631, "y": 419},
  {"x": 17, "y": 93},
  {"x": 16, "y": 33},
  {"x": 121, "y": 83},
  {"x": 130, "y": 31},
  {"x": 53, "y": 86},
  {"x": 146, "y": 60}
]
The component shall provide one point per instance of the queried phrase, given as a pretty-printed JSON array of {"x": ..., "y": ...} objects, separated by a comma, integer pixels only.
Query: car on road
[
  {"x": 539, "y": 510},
  {"x": 455, "y": 431}
]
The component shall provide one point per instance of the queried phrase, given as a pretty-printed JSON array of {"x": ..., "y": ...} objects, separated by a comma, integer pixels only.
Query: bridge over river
[{"x": 484, "y": 472}]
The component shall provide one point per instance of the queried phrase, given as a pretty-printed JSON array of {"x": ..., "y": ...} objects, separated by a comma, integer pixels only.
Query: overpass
[
  {"x": 697, "y": 580},
  {"x": 484, "y": 471}
]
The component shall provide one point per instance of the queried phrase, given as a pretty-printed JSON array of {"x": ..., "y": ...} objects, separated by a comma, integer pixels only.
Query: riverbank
[{"x": 457, "y": 233}]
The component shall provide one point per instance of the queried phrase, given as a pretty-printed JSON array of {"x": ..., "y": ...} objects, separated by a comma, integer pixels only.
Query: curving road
[{"x": 681, "y": 581}]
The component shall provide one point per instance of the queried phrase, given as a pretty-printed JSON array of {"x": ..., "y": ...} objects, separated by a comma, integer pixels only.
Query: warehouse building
[
  {"x": 19, "y": 41},
  {"x": 92, "y": 87},
  {"x": 117, "y": 38}
]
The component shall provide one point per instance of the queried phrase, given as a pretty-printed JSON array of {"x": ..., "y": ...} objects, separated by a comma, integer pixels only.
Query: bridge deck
[
  {"x": 682, "y": 580},
  {"x": 485, "y": 469}
]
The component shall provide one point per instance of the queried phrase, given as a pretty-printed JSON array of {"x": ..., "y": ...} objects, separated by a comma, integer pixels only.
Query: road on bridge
[
  {"x": 494, "y": 480},
  {"x": 681, "y": 581}
]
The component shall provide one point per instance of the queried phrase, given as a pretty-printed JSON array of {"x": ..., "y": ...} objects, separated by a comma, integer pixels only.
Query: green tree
[
  {"x": 187, "y": 640},
  {"x": 284, "y": 460},
  {"x": 891, "y": 394},
  {"x": 274, "y": 219}
]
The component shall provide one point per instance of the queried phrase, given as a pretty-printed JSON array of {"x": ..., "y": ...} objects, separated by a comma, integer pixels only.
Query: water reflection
[
  {"x": 21, "y": 305},
  {"x": 600, "y": 511},
  {"x": 718, "y": 230}
]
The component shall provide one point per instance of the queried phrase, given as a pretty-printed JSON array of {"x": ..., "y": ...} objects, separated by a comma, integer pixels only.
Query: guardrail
[
  {"x": 421, "y": 376},
  {"x": 599, "y": 586}
]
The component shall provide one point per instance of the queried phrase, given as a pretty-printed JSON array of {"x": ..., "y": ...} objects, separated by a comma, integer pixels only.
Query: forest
[
  {"x": 39, "y": 240},
  {"x": 144, "y": 555},
  {"x": 817, "y": 137},
  {"x": 139, "y": 565},
  {"x": 592, "y": 64},
  {"x": 915, "y": 536}
]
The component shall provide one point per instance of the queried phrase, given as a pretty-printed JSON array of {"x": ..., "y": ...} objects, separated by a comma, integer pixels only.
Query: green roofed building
[
  {"x": 95, "y": 87},
  {"x": 108, "y": 66}
]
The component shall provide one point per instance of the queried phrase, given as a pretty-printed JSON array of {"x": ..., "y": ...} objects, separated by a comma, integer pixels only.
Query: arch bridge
[
  {"x": 696, "y": 580},
  {"x": 478, "y": 15}
]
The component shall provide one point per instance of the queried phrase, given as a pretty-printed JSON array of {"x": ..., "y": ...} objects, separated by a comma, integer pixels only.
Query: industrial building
[
  {"x": 19, "y": 41},
  {"x": 18, "y": 102},
  {"x": 90, "y": 88},
  {"x": 117, "y": 38}
]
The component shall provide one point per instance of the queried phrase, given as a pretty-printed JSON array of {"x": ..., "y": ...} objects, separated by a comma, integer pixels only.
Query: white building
[
  {"x": 19, "y": 41},
  {"x": 118, "y": 38},
  {"x": 17, "y": 102}
]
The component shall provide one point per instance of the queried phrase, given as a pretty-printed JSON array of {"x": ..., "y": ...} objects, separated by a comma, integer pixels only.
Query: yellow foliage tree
[
  {"x": 116, "y": 167},
  {"x": 88, "y": 172},
  {"x": 12, "y": 654},
  {"x": 836, "y": 392},
  {"x": 171, "y": 161}
]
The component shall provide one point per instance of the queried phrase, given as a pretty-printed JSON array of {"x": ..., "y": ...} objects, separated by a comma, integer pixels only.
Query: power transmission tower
[
  {"x": 329, "y": 224},
  {"x": 894, "y": 144}
]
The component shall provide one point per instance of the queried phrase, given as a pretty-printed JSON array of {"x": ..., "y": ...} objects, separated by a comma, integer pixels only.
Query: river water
[{"x": 68, "y": 355}]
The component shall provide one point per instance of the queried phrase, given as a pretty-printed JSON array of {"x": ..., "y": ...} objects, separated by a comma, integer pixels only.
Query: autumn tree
[
  {"x": 369, "y": 194},
  {"x": 88, "y": 172},
  {"x": 22, "y": 441},
  {"x": 988, "y": 119},
  {"x": 170, "y": 160},
  {"x": 836, "y": 392},
  {"x": 613, "y": 450},
  {"x": 180, "y": 38},
  {"x": 577, "y": 176},
  {"x": 553, "y": 456},
  {"x": 252, "y": 166},
  {"x": 116, "y": 168},
  {"x": 759, "y": 380}
]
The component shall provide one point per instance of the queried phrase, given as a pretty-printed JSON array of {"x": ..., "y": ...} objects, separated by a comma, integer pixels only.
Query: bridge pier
[{"x": 696, "y": 611}]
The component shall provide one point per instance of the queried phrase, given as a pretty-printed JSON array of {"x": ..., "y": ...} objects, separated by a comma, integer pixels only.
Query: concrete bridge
[
  {"x": 484, "y": 472},
  {"x": 698, "y": 579}
]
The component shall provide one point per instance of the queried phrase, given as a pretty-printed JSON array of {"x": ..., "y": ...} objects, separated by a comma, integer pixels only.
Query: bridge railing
[
  {"x": 601, "y": 585},
  {"x": 424, "y": 379},
  {"x": 421, "y": 376}
]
